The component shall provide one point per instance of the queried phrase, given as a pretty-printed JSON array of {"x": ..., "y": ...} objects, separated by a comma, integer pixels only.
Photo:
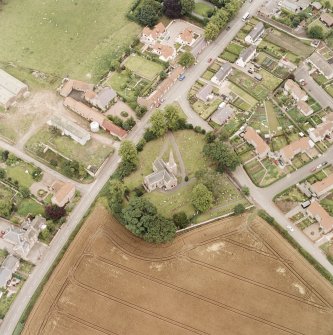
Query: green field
[
  {"x": 75, "y": 38},
  {"x": 202, "y": 9},
  {"x": 143, "y": 67}
]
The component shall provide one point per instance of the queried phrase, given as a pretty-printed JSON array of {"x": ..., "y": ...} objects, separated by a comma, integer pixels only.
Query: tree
[
  {"x": 225, "y": 157},
  {"x": 173, "y": 118},
  {"x": 239, "y": 209},
  {"x": 187, "y": 6},
  {"x": 53, "y": 212},
  {"x": 5, "y": 207},
  {"x": 186, "y": 59},
  {"x": 148, "y": 13},
  {"x": 211, "y": 31},
  {"x": 4, "y": 155},
  {"x": 158, "y": 125},
  {"x": 163, "y": 75},
  {"x": 115, "y": 196},
  {"x": 246, "y": 190},
  {"x": 2, "y": 173},
  {"x": 25, "y": 192},
  {"x": 180, "y": 220},
  {"x": 172, "y": 8},
  {"x": 128, "y": 153},
  {"x": 141, "y": 218},
  {"x": 316, "y": 32},
  {"x": 202, "y": 198}
]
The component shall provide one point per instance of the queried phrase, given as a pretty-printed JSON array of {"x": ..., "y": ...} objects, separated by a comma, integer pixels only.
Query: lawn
[
  {"x": 21, "y": 172},
  {"x": 29, "y": 206},
  {"x": 271, "y": 115},
  {"x": 228, "y": 56},
  {"x": 143, "y": 67},
  {"x": 251, "y": 101},
  {"x": 202, "y": 9},
  {"x": 206, "y": 110},
  {"x": 66, "y": 38},
  {"x": 93, "y": 153},
  {"x": 269, "y": 80}
]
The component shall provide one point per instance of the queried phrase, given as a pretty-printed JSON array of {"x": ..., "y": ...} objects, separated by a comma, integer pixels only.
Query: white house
[
  {"x": 246, "y": 55},
  {"x": 255, "y": 33},
  {"x": 222, "y": 74}
]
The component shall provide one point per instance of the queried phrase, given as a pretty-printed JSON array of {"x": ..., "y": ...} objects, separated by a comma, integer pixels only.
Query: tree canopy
[
  {"x": 115, "y": 195},
  {"x": 316, "y": 32},
  {"x": 129, "y": 153},
  {"x": 202, "y": 198},
  {"x": 172, "y": 8},
  {"x": 158, "y": 124},
  {"x": 187, "y": 6},
  {"x": 186, "y": 59},
  {"x": 148, "y": 13}
]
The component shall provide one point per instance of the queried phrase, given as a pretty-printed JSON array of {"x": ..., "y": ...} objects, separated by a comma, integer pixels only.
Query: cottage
[
  {"x": 321, "y": 64},
  {"x": 155, "y": 98},
  {"x": 186, "y": 37},
  {"x": 255, "y": 33},
  {"x": 322, "y": 187},
  {"x": 222, "y": 74},
  {"x": 9, "y": 266},
  {"x": 101, "y": 99},
  {"x": 246, "y": 55},
  {"x": 150, "y": 36},
  {"x": 64, "y": 193},
  {"x": 164, "y": 175},
  {"x": 205, "y": 94},
  {"x": 223, "y": 114},
  {"x": 327, "y": 19},
  {"x": 261, "y": 147},
  {"x": 316, "y": 211},
  {"x": 70, "y": 84},
  {"x": 11, "y": 89},
  {"x": 165, "y": 52},
  {"x": 323, "y": 130},
  {"x": 304, "y": 108},
  {"x": 303, "y": 145},
  {"x": 69, "y": 128},
  {"x": 23, "y": 239},
  {"x": 296, "y": 92}
]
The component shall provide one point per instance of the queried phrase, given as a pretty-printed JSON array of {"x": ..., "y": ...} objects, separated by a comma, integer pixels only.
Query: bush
[
  {"x": 53, "y": 212},
  {"x": 141, "y": 144},
  {"x": 180, "y": 220},
  {"x": 149, "y": 135},
  {"x": 239, "y": 209},
  {"x": 186, "y": 178},
  {"x": 124, "y": 114}
]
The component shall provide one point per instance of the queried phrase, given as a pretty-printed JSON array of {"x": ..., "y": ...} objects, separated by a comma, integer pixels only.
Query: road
[
  {"x": 91, "y": 191},
  {"x": 312, "y": 88}
]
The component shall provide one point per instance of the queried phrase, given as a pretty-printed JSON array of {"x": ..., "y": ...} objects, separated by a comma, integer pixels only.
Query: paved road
[
  {"x": 262, "y": 197},
  {"x": 312, "y": 88}
]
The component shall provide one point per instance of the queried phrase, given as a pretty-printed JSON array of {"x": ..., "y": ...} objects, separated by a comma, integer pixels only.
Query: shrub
[{"x": 124, "y": 114}]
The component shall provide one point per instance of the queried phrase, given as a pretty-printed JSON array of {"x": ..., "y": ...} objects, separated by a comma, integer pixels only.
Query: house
[
  {"x": 23, "y": 239},
  {"x": 295, "y": 91},
  {"x": 322, "y": 187},
  {"x": 9, "y": 266},
  {"x": 164, "y": 175},
  {"x": 64, "y": 193},
  {"x": 11, "y": 89},
  {"x": 205, "y": 94},
  {"x": 155, "y": 98},
  {"x": 198, "y": 46},
  {"x": 255, "y": 33},
  {"x": 150, "y": 36},
  {"x": 186, "y": 37},
  {"x": 304, "y": 108},
  {"x": 317, "y": 6},
  {"x": 223, "y": 114},
  {"x": 261, "y": 147},
  {"x": 302, "y": 145},
  {"x": 69, "y": 85},
  {"x": 321, "y": 64},
  {"x": 327, "y": 19},
  {"x": 165, "y": 52},
  {"x": 246, "y": 55},
  {"x": 323, "y": 130},
  {"x": 222, "y": 74},
  {"x": 294, "y": 6},
  {"x": 70, "y": 129},
  {"x": 92, "y": 114},
  {"x": 101, "y": 99},
  {"x": 316, "y": 211}
]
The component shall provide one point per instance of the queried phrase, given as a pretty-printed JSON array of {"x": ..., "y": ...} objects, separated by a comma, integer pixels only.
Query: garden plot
[{"x": 242, "y": 99}]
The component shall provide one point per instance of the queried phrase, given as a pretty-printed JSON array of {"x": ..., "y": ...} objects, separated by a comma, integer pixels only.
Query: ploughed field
[{"x": 235, "y": 276}]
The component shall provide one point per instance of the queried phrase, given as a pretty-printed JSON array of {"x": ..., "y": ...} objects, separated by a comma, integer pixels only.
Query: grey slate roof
[
  {"x": 246, "y": 53},
  {"x": 222, "y": 114},
  {"x": 322, "y": 64},
  {"x": 104, "y": 97},
  {"x": 223, "y": 71},
  {"x": 205, "y": 92},
  {"x": 257, "y": 30}
]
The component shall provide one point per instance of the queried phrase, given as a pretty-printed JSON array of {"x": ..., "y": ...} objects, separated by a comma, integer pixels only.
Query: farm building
[
  {"x": 321, "y": 64},
  {"x": 11, "y": 89},
  {"x": 64, "y": 193},
  {"x": 70, "y": 129},
  {"x": 70, "y": 84},
  {"x": 222, "y": 74},
  {"x": 255, "y": 33},
  {"x": 294, "y": 6},
  {"x": 246, "y": 55},
  {"x": 101, "y": 99}
]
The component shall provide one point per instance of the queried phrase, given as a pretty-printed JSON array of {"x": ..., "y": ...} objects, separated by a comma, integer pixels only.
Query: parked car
[
  {"x": 324, "y": 163},
  {"x": 319, "y": 166},
  {"x": 181, "y": 77},
  {"x": 313, "y": 169},
  {"x": 290, "y": 228},
  {"x": 306, "y": 204},
  {"x": 209, "y": 60}
]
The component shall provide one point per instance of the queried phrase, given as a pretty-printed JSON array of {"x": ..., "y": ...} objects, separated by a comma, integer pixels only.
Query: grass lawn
[
  {"x": 74, "y": 38},
  {"x": 251, "y": 101},
  {"x": 269, "y": 80},
  {"x": 143, "y": 67},
  {"x": 228, "y": 56},
  {"x": 18, "y": 172},
  {"x": 29, "y": 206},
  {"x": 206, "y": 110},
  {"x": 93, "y": 153},
  {"x": 317, "y": 22},
  {"x": 202, "y": 9},
  {"x": 271, "y": 116}
]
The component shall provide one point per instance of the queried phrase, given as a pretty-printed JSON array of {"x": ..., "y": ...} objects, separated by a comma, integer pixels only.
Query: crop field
[
  {"x": 142, "y": 67},
  {"x": 234, "y": 276},
  {"x": 74, "y": 38}
]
